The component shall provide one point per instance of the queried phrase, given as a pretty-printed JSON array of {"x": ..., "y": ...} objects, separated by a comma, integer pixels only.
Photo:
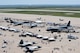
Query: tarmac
[{"x": 61, "y": 45}]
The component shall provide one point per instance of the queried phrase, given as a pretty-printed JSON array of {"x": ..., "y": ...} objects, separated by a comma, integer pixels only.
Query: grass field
[
  {"x": 68, "y": 9},
  {"x": 47, "y": 13}
]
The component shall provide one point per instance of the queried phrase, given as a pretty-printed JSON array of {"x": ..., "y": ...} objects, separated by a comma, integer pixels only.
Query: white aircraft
[
  {"x": 39, "y": 36},
  {"x": 3, "y": 28},
  {"x": 31, "y": 49},
  {"x": 12, "y": 29},
  {"x": 25, "y": 43},
  {"x": 24, "y": 34},
  {"x": 45, "y": 38},
  {"x": 51, "y": 39}
]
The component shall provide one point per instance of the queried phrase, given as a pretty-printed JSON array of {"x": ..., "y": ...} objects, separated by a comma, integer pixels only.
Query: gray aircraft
[
  {"x": 63, "y": 28},
  {"x": 16, "y": 23},
  {"x": 72, "y": 37},
  {"x": 31, "y": 24}
]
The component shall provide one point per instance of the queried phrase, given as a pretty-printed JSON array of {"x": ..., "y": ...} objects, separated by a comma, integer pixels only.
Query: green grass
[{"x": 46, "y": 13}]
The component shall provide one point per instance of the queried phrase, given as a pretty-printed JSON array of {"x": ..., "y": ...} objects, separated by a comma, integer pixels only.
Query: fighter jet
[
  {"x": 24, "y": 34},
  {"x": 31, "y": 49},
  {"x": 3, "y": 28},
  {"x": 72, "y": 37},
  {"x": 14, "y": 30},
  {"x": 25, "y": 43},
  {"x": 63, "y": 28}
]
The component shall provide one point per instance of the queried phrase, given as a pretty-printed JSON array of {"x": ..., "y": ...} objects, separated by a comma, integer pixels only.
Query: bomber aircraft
[{"x": 63, "y": 28}]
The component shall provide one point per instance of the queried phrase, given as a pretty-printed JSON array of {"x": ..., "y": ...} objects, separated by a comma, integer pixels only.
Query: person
[
  {"x": 55, "y": 37},
  {"x": 39, "y": 30},
  {"x": 22, "y": 26},
  {"x": 4, "y": 51},
  {"x": 12, "y": 35},
  {"x": 60, "y": 40},
  {"x": 52, "y": 51},
  {"x": 59, "y": 35},
  {"x": 42, "y": 42}
]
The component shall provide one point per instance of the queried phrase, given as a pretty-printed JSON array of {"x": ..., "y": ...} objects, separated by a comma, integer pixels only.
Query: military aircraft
[
  {"x": 3, "y": 28},
  {"x": 31, "y": 49},
  {"x": 62, "y": 28},
  {"x": 70, "y": 36},
  {"x": 31, "y": 24},
  {"x": 28, "y": 23},
  {"x": 14, "y": 30},
  {"x": 28, "y": 46},
  {"x": 16, "y": 23},
  {"x": 25, "y": 43},
  {"x": 24, "y": 34}
]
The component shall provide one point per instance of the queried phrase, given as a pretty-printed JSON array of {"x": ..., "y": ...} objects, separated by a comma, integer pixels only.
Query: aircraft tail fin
[
  {"x": 11, "y": 21},
  {"x": 69, "y": 23},
  {"x": 21, "y": 42}
]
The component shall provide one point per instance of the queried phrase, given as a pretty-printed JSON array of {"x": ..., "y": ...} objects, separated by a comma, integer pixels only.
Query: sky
[{"x": 38, "y": 2}]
